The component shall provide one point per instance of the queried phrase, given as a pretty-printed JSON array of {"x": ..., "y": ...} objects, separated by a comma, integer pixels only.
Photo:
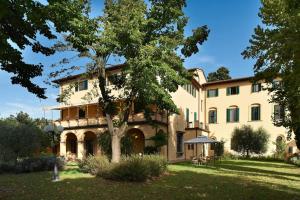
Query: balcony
[
  {"x": 197, "y": 124},
  {"x": 101, "y": 121}
]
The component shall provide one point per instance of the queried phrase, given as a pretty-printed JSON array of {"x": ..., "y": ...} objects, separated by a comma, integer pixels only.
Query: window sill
[
  {"x": 232, "y": 122},
  {"x": 255, "y": 121}
]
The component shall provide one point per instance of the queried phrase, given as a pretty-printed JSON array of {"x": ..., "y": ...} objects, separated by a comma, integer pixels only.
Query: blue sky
[{"x": 231, "y": 23}]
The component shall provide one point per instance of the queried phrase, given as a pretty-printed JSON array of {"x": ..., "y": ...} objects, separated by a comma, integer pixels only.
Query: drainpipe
[{"x": 168, "y": 135}]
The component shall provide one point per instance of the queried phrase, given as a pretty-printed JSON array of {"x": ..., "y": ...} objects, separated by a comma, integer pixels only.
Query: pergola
[{"x": 201, "y": 140}]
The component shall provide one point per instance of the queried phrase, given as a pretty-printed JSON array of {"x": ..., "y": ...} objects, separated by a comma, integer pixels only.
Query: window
[
  {"x": 212, "y": 93},
  {"x": 276, "y": 84},
  {"x": 81, "y": 85},
  {"x": 190, "y": 146},
  {"x": 212, "y": 116},
  {"x": 256, "y": 87},
  {"x": 278, "y": 112},
  {"x": 179, "y": 144},
  {"x": 232, "y": 114},
  {"x": 190, "y": 89},
  {"x": 233, "y": 90},
  {"x": 82, "y": 113},
  {"x": 290, "y": 150},
  {"x": 255, "y": 112}
]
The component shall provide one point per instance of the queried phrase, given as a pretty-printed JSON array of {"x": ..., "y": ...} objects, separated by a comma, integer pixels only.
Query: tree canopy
[
  {"x": 21, "y": 22},
  {"x": 151, "y": 40},
  {"x": 245, "y": 140},
  {"x": 276, "y": 49},
  {"x": 222, "y": 73}
]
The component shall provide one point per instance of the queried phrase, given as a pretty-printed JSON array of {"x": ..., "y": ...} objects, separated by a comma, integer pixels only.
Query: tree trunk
[{"x": 116, "y": 148}]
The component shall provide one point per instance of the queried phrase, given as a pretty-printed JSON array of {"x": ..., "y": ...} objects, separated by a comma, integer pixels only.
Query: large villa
[{"x": 211, "y": 109}]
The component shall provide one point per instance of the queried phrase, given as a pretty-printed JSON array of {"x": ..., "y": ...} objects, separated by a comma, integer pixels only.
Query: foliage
[
  {"x": 149, "y": 39},
  {"x": 131, "y": 168},
  {"x": 245, "y": 140},
  {"x": 280, "y": 149},
  {"x": 221, "y": 74},
  {"x": 22, "y": 23},
  {"x": 295, "y": 159},
  {"x": 137, "y": 168},
  {"x": 20, "y": 137},
  {"x": 219, "y": 148},
  {"x": 95, "y": 165},
  {"x": 105, "y": 144},
  {"x": 275, "y": 47},
  {"x": 33, "y": 164},
  {"x": 150, "y": 150},
  {"x": 160, "y": 139}
]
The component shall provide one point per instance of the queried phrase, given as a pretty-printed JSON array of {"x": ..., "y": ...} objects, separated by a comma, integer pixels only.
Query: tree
[
  {"x": 20, "y": 137},
  {"x": 21, "y": 22},
  {"x": 221, "y": 74},
  {"x": 148, "y": 39},
  {"x": 245, "y": 140},
  {"x": 276, "y": 49}
]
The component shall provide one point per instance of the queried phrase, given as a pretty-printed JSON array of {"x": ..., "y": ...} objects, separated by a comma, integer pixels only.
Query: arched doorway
[
  {"x": 71, "y": 146},
  {"x": 90, "y": 143},
  {"x": 138, "y": 140}
]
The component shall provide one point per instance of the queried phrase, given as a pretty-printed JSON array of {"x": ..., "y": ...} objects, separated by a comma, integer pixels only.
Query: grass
[{"x": 238, "y": 179}]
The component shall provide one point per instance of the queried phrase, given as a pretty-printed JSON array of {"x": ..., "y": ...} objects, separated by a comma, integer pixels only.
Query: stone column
[
  {"x": 80, "y": 149},
  {"x": 62, "y": 148}
]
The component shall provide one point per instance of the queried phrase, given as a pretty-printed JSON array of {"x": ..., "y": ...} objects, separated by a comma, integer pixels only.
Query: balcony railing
[
  {"x": 197, "y": 124},
  {"x": 69, "y": 123}
]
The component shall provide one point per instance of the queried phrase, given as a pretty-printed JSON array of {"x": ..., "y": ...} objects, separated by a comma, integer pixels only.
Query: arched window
[
  {"x": 255, "y": 112},
  {"x": 212, "y": 116},
  {"x": 232, "y": 114}
]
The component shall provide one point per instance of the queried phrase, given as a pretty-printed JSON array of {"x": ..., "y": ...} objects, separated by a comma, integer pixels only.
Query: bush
[
  {"x": 131, "y": 168},
  {"x": 31, "y": 165},
  {"x": 95, "y": 165},
  {"x": 150, "y": 150},
  {"x": 157, "y": 165}
]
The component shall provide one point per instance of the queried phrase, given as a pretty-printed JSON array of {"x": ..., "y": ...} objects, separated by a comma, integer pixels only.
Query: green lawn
[{"x": 229, "y": 180}]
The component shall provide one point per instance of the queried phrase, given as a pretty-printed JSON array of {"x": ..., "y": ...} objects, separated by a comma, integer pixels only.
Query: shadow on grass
[{"x": 183, "y": 184}]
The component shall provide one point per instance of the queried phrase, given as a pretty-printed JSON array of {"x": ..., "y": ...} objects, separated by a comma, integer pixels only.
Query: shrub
[
  {"x": 31, "y": 165},
  {"x": 245, "y": 140},
  {"x": 95, "y": 165},
  {"x": 219, "y": 148},
  {"x": 131, "y": 168},
  {"x": 150, "y": 150},
  {"x": 157, "y": 165}
]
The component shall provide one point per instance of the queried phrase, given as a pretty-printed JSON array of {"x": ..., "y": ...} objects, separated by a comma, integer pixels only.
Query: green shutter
[
  {"x": 237, "y": 114},
  {"x": 216, "y": 113},
  {"x": 207, "y": 93},
  {"x": 228, "y": 115},
  {"x": 228, "y": 91},
  {"x": 258, "y": 110},
  {"x": 187, "y": 117},
  {"x": 238, "y": 89},
  {"x": 195, "y": 116},
  {"x": 217, "y": 92}
]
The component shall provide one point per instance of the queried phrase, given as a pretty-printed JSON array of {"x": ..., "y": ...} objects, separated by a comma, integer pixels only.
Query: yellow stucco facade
[{"x": 83, "y": 120}]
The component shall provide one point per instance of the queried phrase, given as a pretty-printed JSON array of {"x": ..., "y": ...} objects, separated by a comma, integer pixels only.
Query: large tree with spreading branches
[
  {"x": 21, "y": 24},
  {"x": 276, "y": 49},
  {"x": 150, "y": 38}
]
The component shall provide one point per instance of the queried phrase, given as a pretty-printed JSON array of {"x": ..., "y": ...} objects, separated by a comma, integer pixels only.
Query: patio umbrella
[{"x": 201, "y": 140}]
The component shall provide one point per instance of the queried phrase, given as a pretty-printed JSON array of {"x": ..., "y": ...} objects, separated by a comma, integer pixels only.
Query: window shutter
[
  {"x": 208, "y": 93},
  {"x": 86, "y": 84},
  {"x": 216, "y": 116},
  {"x": 228, "y": 91},
  {"x": 259, "y": 87},
  {"x": 187, "y": 115},
  {"x": 228, "y": 115},
  {"x": 252, "y": 113},
  {"x": 195, "y": 116},
  {"x": 217, "y": 92},
  {"x": 258, "y": 112},
  {"x": 76, "y": 87},
  {"x": 238, "y": 89},
  {"x": 237, "y": 114}
]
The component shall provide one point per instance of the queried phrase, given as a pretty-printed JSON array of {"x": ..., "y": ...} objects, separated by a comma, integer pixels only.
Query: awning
[{"x": 200, "y": 139}]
